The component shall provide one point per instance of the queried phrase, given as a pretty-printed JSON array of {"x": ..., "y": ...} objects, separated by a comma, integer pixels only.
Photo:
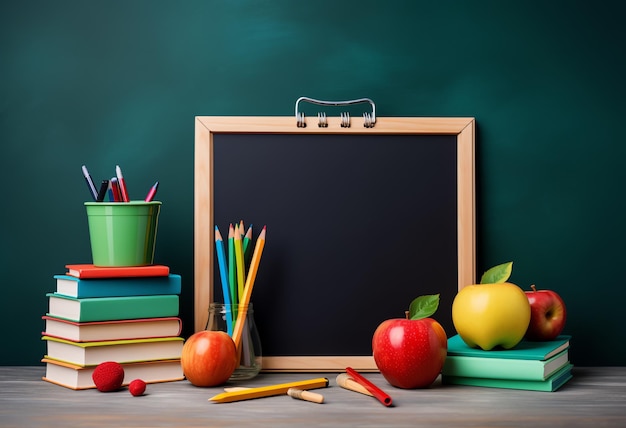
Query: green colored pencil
[
  {"x": 241, "y": 274},
  {"x": 232, "y": 267},
  {"x": 247, "y": 248}
]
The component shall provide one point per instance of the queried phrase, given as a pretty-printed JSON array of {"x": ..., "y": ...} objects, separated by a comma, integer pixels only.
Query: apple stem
[
  {"x": 533, "y": 287},
  {"x": 406, "y": 314}
]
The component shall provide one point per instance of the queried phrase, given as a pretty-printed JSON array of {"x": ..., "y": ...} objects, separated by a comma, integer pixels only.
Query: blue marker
[{"x": 110, "y": 192}]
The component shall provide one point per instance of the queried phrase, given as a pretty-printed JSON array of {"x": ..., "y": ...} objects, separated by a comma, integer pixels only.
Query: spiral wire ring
[
  {"x": 322, "y": 121},
  {"x": 369, "y": 119},
  {"x": 345, "y": 119},
  {"x": 300, "y": 123}
]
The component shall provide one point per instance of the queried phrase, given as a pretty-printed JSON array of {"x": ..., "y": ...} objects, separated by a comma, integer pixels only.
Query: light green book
[
  {"x": 503, "y": 368},
  {"x": 112, "y": 308},
  {"x": 551, "y": 384}
]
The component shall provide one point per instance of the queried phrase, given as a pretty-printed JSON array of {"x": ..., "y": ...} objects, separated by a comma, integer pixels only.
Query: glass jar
[{"x": 223, "y": 318}]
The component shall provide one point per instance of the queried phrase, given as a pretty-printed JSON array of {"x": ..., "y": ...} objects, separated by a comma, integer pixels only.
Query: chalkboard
[{"x": 360, "y": 221}]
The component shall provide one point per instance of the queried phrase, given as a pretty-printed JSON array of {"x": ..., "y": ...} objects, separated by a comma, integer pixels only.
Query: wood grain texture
[{"x": 594, "y": 397}]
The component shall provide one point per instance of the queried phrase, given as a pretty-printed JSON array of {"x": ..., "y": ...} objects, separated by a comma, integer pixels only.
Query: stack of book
[
  {"x": 124, "y": 314},
  {"x": 535, "y": 366}
]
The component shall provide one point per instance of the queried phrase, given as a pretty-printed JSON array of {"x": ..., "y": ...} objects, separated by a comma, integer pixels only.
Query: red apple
[
  {"x": 209, "y": 358},
  {"x": 547, "y": 314},
  {"x": 410, "y": 352}
]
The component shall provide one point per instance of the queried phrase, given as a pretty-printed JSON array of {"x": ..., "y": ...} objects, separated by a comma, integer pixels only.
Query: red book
[{"x": 92, "y": 271}]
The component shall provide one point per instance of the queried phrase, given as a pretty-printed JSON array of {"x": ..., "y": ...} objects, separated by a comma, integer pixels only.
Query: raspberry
[
  {"x": 137, "y": 387},
  {"x": 108, "y": 376}
]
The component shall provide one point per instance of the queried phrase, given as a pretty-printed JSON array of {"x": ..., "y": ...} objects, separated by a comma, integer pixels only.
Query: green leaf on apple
[
  {"x": 497, "y": 274},
  {"x": 423, "y": 306}
]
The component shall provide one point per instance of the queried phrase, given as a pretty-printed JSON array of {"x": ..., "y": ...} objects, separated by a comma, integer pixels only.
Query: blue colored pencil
[{"x": 221, "y": 260}]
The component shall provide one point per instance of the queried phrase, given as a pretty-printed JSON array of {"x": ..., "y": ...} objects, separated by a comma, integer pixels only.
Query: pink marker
[{"x": 152, "y": 192}]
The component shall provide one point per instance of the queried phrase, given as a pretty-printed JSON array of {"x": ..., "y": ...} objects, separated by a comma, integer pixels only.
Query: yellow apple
[{"x": 490, "y": 315}]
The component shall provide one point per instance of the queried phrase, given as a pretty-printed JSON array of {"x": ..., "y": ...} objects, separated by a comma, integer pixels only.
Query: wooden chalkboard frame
[{"x": 208, "y": 126}]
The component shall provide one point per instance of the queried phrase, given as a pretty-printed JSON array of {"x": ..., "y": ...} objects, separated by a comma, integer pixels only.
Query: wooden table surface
[{"x": 595, "y": 397}]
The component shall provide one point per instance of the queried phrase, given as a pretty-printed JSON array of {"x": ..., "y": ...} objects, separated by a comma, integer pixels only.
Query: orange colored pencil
[{"x": 244, "y": 301}]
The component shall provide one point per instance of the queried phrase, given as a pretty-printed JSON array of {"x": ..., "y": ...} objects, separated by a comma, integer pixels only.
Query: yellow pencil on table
[
  {"x": 268, "y": 391},
  {"x": 244, "y": 301}
]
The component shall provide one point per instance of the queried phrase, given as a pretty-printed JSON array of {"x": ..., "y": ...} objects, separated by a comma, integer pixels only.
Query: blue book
[{"x": 81, "y": 288}]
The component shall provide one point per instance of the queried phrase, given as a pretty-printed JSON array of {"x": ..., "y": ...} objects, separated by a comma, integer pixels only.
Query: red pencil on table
[{"x": 376, "y": 391}]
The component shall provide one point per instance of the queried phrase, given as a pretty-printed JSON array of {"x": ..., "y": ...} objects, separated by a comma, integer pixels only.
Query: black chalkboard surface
[{"x": 360, "y": 221}]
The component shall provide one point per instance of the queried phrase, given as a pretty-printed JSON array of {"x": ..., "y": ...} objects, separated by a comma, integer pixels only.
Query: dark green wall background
[{"x": 119, "y": 82}]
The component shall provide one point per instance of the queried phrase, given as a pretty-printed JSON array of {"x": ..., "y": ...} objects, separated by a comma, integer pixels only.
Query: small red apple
[
  {"x": 410, "y": 352},
  {"x": 547, "y": 314},
  {"x": 208, "y": 358}
]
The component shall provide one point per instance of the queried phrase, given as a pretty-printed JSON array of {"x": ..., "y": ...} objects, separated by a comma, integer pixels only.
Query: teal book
[
  {"x": 525, "y": 350},
  {"x": 504, "y": 368},
  {"x": 112, "y": 308},
  {"x": 551, "y": 384},
  {"x": 117, "y": 287}
]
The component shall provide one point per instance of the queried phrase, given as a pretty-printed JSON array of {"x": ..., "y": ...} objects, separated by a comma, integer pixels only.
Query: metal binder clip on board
[{"x": 369, "y": 119}]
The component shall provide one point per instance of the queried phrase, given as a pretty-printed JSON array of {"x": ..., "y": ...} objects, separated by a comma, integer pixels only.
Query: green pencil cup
[{"x": 123, "y": 233}]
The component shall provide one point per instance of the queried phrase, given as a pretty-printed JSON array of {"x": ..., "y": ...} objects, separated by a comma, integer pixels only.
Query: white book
[
  {"x": 122, "y": 351},
  {"x": 77, "y": 377},
  {"x": 112, "y": 330}
]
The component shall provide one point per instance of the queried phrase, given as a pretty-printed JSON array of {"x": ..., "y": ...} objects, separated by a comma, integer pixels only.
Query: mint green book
[
  {"x": 112, "y": 308},
  {"x": 504, "y": 368},
  {"x": 551, "y": 384},
  {"x": 525, "y": 350}
]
